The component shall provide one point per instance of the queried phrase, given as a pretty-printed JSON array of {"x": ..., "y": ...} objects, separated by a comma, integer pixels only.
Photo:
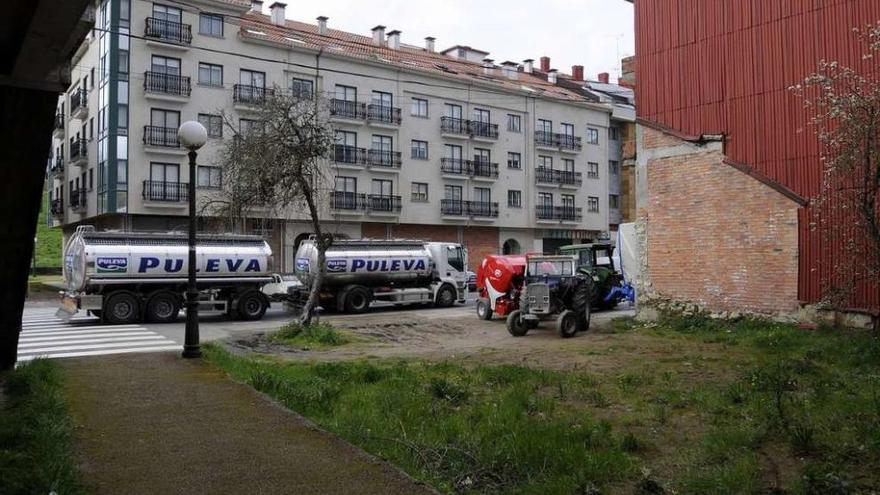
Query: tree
[
  {"x": 846, "y": 113},
  {"x": 275, "y": 165}
]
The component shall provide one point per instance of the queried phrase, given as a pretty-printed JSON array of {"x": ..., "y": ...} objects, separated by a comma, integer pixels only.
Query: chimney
[
  {"x": 577, "y": 72},
  {"x": 545, "y": 64},
  {"x": 378, "y": 35},
  {"x": 277, "y": 12},
  {"x": 322, "y": 25},
  {"x": 488, "y": 66},
  {"x": 257, "y": 6},
  {"x": 551, "y": 76},
  {"x": 394, "y": 40},
  {"x": 528, "y": 65},
  {"x": 429, "y": 43},
  {"x": 509, "y": 69},
  {"x": 603, "y": 77}
]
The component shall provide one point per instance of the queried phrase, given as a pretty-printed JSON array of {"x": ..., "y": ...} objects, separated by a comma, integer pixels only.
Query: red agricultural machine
[{"x": 500, "y": 281}]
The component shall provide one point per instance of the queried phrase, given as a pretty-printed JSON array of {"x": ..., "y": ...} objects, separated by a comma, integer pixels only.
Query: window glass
[
  {"x": 209, "y": 177},
  {"x": 455, "y": 258},
  {"x": 210, "y": 74},
  {"x": 419, "y": 107},
  {"x": 213, "y": 123},
  {"x": 211, "y": 24}
]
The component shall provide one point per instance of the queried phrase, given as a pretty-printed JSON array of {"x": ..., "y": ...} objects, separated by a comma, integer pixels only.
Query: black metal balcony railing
[
  {"x": 174, "y": 32},
  {"x": 348, "y": 109},
  {"x": 56, "y": 207},
  {"x": 165, "y": 137},
  {"x": 455, "y": 166},
  {"x": 343, "y": 200},
  {"x": 563, "y": 177},
  {"x": 79, "y": 99},
  {"x": 56, "y": 166},
  {"x": 482, "y": 168},
  {"x": 457, "y": 207},
  {"x": 450, "y": 125},
  {"x": 78, "y": 198},
  {"x": 349, "y": 154},
  {"x": 250, "y": 95},
  {"x": 483, "y": 129},
  {"x": 569, "y": 142},
  {"x": 383, "y": 113},
  {"x": 482, "y": 209},
  {"x": 544, "y": 138},
  {"x": 167, "y": 84},
  {"x": 165, "y": 191},
  {"x": 562, "y": 213},
  {"x": 384, "y": 158},
  {"x": 79, "y": 149},
  {"x": 59, "y": 122},
  {"x": 453, "y": 207},
  {"x": 383, "y": 203}
]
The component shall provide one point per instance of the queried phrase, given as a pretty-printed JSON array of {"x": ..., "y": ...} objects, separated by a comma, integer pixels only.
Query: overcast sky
[{"x": 592, "y": 33}]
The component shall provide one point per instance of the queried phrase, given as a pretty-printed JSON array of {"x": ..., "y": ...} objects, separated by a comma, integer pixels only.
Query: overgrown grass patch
[
  {"x": 35, "y": 433},
  {"x": 314, "y": 335}
]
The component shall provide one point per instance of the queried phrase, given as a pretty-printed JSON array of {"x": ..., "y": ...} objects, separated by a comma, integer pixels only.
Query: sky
[{"x": 592, "y": 33}]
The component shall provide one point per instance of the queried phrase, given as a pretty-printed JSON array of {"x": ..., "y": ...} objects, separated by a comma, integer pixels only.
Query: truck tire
[
  {"x": 121, "y": 308},
  {"x": 515, "y": 324},
  {"x": 162, "y": 307},
  {"x": 251, "y": 305},
  {"x": 356, "y": 300},
  {"x": 446, "y": 296},
  {"x": 581, "y": 303},
  {"x": 568, "y": 324},
  {"x": 484, "y": 309}
]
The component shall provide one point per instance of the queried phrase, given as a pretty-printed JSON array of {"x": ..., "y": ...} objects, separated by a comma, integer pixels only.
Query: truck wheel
[
  {"x": 121, "y": 308},
  {"x": 568, "y": 324},
  {"x": 356, "y": 300},
  {"x": 251, "y": 305},
  {"x": 515, "y": 324},
  {"x": 163, "y": 307},
  {"x": 484, "y": 309},
  {"x": 445, "y": 297}
]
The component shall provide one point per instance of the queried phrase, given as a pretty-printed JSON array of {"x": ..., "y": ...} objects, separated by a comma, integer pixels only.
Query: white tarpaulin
[{"x": 627, "y": 252}]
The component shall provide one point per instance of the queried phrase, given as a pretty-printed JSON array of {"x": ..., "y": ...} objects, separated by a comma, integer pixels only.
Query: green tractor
[{"x": 595, "y": 260}]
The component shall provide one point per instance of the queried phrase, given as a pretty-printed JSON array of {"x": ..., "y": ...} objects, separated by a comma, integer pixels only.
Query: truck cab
[{"x": 451, "y": 265}]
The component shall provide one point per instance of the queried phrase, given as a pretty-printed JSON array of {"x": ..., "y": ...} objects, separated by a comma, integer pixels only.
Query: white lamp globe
[{"x": 192, "y": 135}]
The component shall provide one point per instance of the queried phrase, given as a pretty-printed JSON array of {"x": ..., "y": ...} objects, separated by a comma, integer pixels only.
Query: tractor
[{"x": 595, "y": 261}]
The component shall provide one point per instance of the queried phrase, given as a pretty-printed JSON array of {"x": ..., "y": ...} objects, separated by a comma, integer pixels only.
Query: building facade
[{"x": 433, "y": 145}]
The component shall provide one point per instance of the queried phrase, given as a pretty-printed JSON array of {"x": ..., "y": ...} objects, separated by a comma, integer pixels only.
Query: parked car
[{"x": 471, "y": 281}]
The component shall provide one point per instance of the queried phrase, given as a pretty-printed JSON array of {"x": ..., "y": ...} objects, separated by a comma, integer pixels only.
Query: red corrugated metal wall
[{"x": 725, "y": 66}]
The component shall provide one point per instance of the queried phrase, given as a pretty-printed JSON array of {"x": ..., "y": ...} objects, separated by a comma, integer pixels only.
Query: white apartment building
[{"x": 436, "y": 145}]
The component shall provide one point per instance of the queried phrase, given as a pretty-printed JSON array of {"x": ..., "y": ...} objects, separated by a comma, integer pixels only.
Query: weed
[
  {"x": 448, "y": 389},
  {"x": 320, "y": 334},
  {"x": 802, "y": 438},
  {"x": 631, "y": 443}
]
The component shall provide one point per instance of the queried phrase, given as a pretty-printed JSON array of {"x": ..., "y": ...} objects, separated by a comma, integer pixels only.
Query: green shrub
[{"x": 320, "y": 334}]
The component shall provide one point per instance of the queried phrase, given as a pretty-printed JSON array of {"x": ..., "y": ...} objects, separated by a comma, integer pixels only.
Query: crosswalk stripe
[
  {"x": 161, "y": 348},
  {"x": 162, "y": 340},
  {"x": 72, "y": 328},
  {"x": 78, "y": 335},
  {"x": 69, "y": 344}
]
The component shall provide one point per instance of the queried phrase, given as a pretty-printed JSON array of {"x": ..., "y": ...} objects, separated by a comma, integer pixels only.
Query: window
[
  {"x": 346, "y": 138},
  {"x": 210, "y": 177},
  {"x": 452, "y": 193},
  {"x": 545, "y": 200},
  {"x": 213, "y": 123},
  {"x": 567, "y": 200},
  {"x": 514, "y": 198},
  {"x": 419, "y": 107},
  {"x": 168, "y": 119},
  {"x": 545, "y": 162},
  {"x": 568, "y": 165},
  {"x": 211, "y": 25},
  {"x": 382, "y": 99},
  {"x": 382, "y": 143},
  {"x": 482, "y": 195},
  {"x": 252, "y": 78},
  {"x": 567, "y": 129},
  {"x": 166, "y": 13},
  {"x": 247, "y": 126},
  {"x": 165, "y": 65},
  {"x": 613, "y": 167},
  {"x": 303, "y": 88},
  {"x": 420, "y": 192},
  {"x": 420, "y": 150},
  {"x": 92, "y": 77},
  {"x": 453, "y": 111},
  {"x": 514, "y": 160},
  {"x": 210, "y": 74},
  {"x": 592, "y": 170},
  {"x": 346, "y": 93},
  {"x": 614, "y": 133},
  {"x": 514, "y": 123},
  {"x": 123, "y": 62},
  {"x": 592, "y": 135},
  {"x": 593, "y": 204},
  {"x": 545, "y": 126},
  {"x": 613, "y": 201},
  {"x": 482, "y": 116},
  {"x": 482, "y": 156},
  {"x": 164, "y": 172},
  {"x": 381, "y": 187},
  {"x": 346, "y": 184},
  {"x": 91, "y": 128}
]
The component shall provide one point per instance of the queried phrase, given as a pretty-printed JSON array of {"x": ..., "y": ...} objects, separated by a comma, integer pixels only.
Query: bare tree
[
  {"x": 275, "y": 165},
  {"x": 846, "y": 113}
]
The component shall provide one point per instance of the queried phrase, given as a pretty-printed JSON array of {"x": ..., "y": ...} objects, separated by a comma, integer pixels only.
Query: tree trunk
[{"x": 321, "y": 243}]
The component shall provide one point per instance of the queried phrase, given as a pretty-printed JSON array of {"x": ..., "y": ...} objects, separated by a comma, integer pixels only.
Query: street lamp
[{"x": 192, "y": 136}]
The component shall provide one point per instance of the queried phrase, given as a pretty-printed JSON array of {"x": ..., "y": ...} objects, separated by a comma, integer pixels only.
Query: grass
[
  {"x": 35, "y": 433},
  {"x": 48, "y": 247},
  {"x": 735, "y": 407},
  {"x": 314, "y": 335}
]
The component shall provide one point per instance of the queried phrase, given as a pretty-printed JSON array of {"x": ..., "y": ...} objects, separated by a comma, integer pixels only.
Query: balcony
[
  {"x": 568, "y": 142},
  {"x": 559, "y": 213},
  {"x": 349, "y": 155},
  {"x": 483, "y": 130},
  {"x": 347, "y": 202},
  {"x": 78, "y": 199},
  {"x": 244, "y": 94},
  {"x": 345, "y": 109},
  {"x": 79, "y": 152},
  {"x": 483, "y": 209},
  {"x": 562, "y": 142},
  {"x": 476, "y": 209},
  {"x": 166, "y": 85},
  {"x": 171, "y": 192},
  {"x": 168, "y": 31},
  {"x": 384, "y": 159},
  {"x": 161, "y": 137},
  {"x": 461, "y": 128},
  {"x": 482, "y": 169},
  {"x": 79, "y": 104},
  {"x": 453, "y": 127},
  {"x": 453, "y": 207},
  {"x": 545, "y": 139},
  {"x": 383, "y": 204},
  {"x": 455, "y": 167},
  {"x": 56, "y": 166},
  {"x": 56, "y": 207},
  {"x": 381, "y": 114},
  {"x": 58, "y": 127},
  {"x": 561, "y": 178}
]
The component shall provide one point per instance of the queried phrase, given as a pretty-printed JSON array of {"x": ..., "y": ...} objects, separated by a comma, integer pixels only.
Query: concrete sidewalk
[{"x": 154, "y": 423}]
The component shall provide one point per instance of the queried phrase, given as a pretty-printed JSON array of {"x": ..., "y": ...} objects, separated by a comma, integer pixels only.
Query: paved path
[{"x": 155, "y": 423}]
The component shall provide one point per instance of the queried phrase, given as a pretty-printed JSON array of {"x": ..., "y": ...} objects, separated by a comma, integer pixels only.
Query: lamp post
[{"x": 192, "y": 136}]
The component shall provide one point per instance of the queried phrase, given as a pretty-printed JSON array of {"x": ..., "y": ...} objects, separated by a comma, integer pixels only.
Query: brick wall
[
  {"x": 479, "y": 241},
  {"x": 716, "y": 236}
]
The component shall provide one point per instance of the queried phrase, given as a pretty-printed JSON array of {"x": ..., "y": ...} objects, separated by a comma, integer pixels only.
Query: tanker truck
[
  {"x": 397, "y": 271},
  {"x": 125, "y": 277}
]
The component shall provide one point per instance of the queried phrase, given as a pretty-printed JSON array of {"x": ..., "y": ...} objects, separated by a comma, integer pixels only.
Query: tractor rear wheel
[
  {"x": 515, "y": 324},
  {"x": 581, "y": 302}
]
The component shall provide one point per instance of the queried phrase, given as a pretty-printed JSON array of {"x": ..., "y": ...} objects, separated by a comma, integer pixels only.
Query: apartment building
[{"x": 437, "y": 145}]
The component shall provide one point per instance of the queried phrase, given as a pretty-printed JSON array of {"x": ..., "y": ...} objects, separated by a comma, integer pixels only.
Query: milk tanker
[
  {"x": 124, "y": 277},
  {"x": 402, "y": 272}
]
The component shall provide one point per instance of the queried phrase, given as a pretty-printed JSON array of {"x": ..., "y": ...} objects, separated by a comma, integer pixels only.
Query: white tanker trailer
[
  {"x": 398, "y": 271},
  {"x": 124, "y": 277}
]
